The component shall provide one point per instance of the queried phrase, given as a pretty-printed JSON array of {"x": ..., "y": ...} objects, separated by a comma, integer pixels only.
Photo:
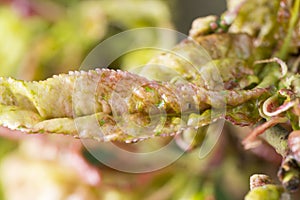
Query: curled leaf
[{"x": 268, "y": 104}]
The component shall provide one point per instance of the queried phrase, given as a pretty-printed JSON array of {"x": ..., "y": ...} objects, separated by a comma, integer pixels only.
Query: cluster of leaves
[{"x": 255, "y": 47}]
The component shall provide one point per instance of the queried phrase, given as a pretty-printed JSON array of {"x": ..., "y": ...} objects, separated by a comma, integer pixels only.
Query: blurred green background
[{"x": 42, "y": 38}]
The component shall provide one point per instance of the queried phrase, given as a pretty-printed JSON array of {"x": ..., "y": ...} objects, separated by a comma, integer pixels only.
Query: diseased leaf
[
  {"x": 199, "y": 59},
  {"x": 110, "y": 105},
  {"x": 245, "y": 114}
]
